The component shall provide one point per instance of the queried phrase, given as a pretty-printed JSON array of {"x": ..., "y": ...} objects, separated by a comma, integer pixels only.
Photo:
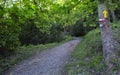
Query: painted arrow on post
[{"x": 105, "y": 13}]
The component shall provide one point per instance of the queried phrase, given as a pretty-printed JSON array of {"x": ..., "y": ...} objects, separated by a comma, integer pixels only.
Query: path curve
[{"x": 48, "y": 62}]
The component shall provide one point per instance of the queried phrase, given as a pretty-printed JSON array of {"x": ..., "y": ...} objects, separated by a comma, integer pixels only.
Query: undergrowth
[{"x": 87, "y": 58}]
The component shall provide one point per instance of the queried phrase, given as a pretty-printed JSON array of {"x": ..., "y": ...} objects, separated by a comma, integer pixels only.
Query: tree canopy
[{"x": 15, "y": 15}]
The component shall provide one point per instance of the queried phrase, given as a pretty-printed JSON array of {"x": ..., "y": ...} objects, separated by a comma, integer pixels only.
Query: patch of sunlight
[{"x": 61, "y": 2}]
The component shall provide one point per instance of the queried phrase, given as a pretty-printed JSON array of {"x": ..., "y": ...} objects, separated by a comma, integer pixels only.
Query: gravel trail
[{"x": 48, "y": 62}]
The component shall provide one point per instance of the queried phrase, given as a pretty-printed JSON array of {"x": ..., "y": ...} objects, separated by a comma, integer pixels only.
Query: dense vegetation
[
  {"x": 39, "y": 22},
  {"x": 26, "y": 22},
  {"x": 87, "y": 58}
]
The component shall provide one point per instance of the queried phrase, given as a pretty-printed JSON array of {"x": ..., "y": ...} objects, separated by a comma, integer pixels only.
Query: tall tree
[
  {"x": 112, "y": 10},
  {"x": 106, "y": 34}
]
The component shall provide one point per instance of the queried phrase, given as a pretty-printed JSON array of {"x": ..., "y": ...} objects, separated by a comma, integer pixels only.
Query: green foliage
[
  {"x": 9, "y": 32},
  {"x": 78, "y": 29},
  {"x": 44, "y": 21},
  {"x": 87, "y": 58},
  {"x": 96, "y": 60},
  {"x": 116, "y": 31},
  {"x": 55, "y": 33},
  {"x": 15, "y": 15},
  {"x": 68, "y": 38},
  {"x": 30, "y": 34}
]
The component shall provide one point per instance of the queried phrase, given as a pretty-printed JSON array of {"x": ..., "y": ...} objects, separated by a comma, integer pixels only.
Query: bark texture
[{"x": 106, "y": 35}]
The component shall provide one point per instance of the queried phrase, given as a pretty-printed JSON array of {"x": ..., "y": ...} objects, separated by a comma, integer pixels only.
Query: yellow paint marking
[{"x": 105, "y": 13}]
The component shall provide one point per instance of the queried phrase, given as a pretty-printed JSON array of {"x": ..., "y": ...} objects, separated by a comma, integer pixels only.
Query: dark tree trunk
[
  {"x": 106, "y": 35},
  {"x": 113, "y": 15},
  {"x": 112, "y": 12}
]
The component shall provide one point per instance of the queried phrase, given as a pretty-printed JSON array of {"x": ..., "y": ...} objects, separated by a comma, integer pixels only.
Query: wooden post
[{"x": 106, "y": 35}]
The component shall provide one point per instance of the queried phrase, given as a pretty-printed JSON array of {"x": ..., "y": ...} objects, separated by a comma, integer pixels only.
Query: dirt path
[{"x": 48, "y": 62}]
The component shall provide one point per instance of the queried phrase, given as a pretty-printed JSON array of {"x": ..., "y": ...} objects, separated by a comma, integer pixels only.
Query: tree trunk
[
  {"x": 112, "y": 12},
  {"x": 113, "y": 15},
  {"x": 106, "y": 35}
]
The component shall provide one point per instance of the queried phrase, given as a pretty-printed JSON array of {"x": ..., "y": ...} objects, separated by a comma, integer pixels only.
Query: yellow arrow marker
[{"x": 105, "y": 13}]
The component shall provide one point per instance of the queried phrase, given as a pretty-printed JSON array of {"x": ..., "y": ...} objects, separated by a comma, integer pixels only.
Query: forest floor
[{"x": 48, "y": 62}]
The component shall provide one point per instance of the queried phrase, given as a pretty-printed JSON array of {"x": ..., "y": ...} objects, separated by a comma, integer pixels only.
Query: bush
[
  {"x": 30, "y": 34},
  {"x": 9, "y": 33},
  {"x": 55, "y": 33},
  {"x": 78, "y": 29}
]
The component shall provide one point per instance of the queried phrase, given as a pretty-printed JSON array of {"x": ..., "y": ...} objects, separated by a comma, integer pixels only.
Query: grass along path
[
  {"x": 26, "y": 52},
  {"x": 87, "y": 58},
  {"x": 48, "y": 62}
]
